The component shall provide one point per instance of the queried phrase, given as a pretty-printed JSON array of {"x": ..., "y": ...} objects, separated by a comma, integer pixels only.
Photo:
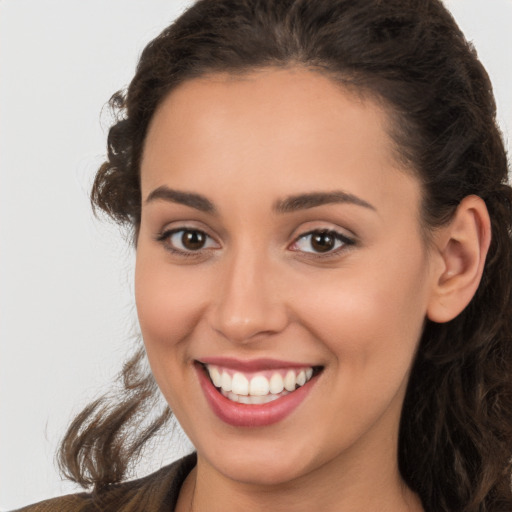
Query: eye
[
  {"x": 187, "y": 240},
  {"x": 321, "y": 241}
]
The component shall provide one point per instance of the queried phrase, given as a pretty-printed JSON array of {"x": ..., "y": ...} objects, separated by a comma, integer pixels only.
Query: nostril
[{"x": 248, "y": 329}]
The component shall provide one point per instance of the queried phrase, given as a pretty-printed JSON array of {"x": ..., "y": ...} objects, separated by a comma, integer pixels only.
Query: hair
[{"x": 455, "y": 438}]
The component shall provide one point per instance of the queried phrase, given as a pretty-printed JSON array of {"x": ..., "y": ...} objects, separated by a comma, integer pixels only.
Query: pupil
[
  {"x": 193, "y": 240},
  {"x": 323, "y": 242}
]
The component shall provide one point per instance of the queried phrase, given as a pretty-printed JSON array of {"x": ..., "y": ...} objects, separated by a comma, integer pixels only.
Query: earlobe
[{"x": 461, "y": 248}]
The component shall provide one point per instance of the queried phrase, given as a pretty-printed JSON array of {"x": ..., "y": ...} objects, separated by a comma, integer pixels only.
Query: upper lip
[{"x": 252, "y": 365}]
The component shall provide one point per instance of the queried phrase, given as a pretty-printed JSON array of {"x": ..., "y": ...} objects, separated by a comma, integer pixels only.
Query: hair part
[{"x": 455, "y": 441}]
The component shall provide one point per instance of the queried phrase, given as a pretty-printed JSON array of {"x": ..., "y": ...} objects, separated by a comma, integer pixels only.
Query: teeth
[
  {"x": 231, "y": 396},
  {"x": 259, "y": 386},
  {"x": 290, "y": 381},
  {"x": 252, "y": 400},
  {"x": 277, "y": 384},
  {"x": 257, "y": 399},
  {"x": 225, "y": 383},
  {"x": 216, "y": 377},
  {"x": 257, "y": 389},
  {"x": 240, "y": 384}
]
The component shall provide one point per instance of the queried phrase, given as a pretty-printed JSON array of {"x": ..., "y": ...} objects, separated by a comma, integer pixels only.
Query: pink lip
[
  {"x": 253, "y": 365},
  {"x": 251, "y": 415}
]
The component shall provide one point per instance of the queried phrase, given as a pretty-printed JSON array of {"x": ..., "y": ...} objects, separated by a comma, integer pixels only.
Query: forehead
[
  {"x": 292, "y": 129},
  {"x": 271, "y": 99}
]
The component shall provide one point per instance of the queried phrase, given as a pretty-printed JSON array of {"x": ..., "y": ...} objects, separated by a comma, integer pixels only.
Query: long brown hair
[{"x": 455, "y": 441}]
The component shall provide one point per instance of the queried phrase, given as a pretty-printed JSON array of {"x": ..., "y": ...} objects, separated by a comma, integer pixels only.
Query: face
[{"x": 282, "y": 281}]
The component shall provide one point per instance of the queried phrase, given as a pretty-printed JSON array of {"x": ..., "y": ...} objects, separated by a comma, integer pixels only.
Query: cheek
[
  {"x": 169, "y": 303},
  {"x": 372, "y": 314},
  {"x": 169, "y": 306}
]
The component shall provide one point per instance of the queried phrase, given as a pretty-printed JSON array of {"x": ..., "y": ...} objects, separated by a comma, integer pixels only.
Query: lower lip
[{"x": 251, "y": 415}]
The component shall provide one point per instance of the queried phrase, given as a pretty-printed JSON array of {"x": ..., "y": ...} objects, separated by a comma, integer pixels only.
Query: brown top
[{"x": 157, "y": 492}]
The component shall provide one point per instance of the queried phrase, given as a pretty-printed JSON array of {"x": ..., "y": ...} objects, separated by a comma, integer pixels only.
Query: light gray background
[{"x": 66, "y": 306}]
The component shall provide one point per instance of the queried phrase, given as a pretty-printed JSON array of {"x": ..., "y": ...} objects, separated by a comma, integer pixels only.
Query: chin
[
  {"x": 261, "y": 465},
  {"x": 262, "y": 472}
]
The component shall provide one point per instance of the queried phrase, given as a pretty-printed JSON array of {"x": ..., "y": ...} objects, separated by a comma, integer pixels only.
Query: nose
[{"x": 249, "y": 303}]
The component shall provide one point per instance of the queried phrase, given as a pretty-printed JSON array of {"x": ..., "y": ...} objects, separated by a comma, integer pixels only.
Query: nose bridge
[{"x": 247, "y": 303}]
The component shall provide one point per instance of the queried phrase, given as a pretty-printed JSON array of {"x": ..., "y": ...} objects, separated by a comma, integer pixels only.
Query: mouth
[
  {"x": 256, "y": 388},
  {"x": 243, "y": 396}
]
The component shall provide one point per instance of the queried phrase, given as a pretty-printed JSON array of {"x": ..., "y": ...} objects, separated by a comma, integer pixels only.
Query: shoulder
[
  {"x": 157, "y": 492},
  {"x": 69, "y": 503}
]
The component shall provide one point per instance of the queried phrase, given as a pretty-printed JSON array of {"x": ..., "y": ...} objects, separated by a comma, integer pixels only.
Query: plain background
[{"x": 66, "y": 298}]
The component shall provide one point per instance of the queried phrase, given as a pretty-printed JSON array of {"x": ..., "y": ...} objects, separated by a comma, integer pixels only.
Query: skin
[{"x": 259, "y": 290}]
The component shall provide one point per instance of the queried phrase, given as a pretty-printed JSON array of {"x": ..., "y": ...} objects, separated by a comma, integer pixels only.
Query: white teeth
[
  {"x": 216, "y": 377},
  {"x": 257, "y": 399},
  {"x": 277, "y": 384},
  {"x": 259, "y": 386},
  {"x": 240, "y": 384},
  {"x": 252, "y": 400},
  {"x": 289, "y": 381},
  {"x": 225, "y": 382},
  {"x": 238, "y": 387}
]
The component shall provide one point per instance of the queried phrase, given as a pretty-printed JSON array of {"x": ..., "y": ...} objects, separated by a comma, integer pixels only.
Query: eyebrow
[
  {"x": 190, "y": 199},
  {"x": 287, "y": 205},
  {"x": 314, "y": 199}
]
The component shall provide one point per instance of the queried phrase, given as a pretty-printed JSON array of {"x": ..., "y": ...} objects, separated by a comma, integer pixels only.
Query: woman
[{"x": 319, "y": 202}]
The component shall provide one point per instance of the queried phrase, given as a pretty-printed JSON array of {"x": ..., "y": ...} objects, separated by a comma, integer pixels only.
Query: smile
[
  {"x": 255, "y": 394},
  {"x": 259, "y": 387}
]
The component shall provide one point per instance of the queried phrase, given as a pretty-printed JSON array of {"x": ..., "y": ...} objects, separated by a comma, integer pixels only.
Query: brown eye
[
  {"x": 193, "y": 240},
  {"x": 323, "y": 241},
  {"x": 186, "y": 241}
]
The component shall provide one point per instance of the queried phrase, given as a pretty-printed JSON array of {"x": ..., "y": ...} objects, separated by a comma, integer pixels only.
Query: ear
[{"x": 460, "y": 248}]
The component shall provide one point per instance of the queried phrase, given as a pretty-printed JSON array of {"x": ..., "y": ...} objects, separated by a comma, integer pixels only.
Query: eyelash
[
  {"x": 345, "y": 241},
  {"x": 338, "y": 237},
  {"x": 165, "y": 237}
]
